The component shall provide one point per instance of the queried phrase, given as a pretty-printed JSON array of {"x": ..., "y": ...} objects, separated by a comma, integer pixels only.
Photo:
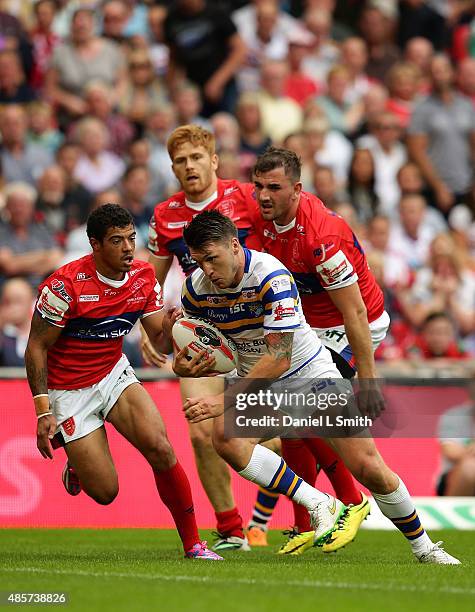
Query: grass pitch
[{"x": 143, "y": 570}]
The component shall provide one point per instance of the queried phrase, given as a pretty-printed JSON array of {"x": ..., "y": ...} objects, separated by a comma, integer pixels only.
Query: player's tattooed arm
[
  {"x": 42, "y": 336},
  {"x": 279, "y": 345}
]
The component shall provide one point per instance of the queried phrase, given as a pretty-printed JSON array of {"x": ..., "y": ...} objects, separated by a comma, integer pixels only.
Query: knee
[
  {"x": 221, "y": 445},
  {"x": 106, "y": 495},
  {"x": 201, "y": 438},
  {"x": 466, "y": 469},
  {"x": 369, "y": 470},
  {"x": 159, "y": 453}
]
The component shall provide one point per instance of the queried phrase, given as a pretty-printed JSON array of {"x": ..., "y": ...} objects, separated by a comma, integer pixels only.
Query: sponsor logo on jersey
[
  {"x": 140, "y": 298},
  {"x": 177, "y": 224},
  {"x": 81, "y": 276},
  {"x": 175, "y": 204},
  {"x": 110, "y": 292},
  {"x": 226, "y": 208},
  {"x": 51, "y": 306},
  {"x": 280, "y": 284},
  {"x": 249, "y": 294},
  {"x": 216, "y": 299},
  {"x": 58, "y": 287},
  {"x": 281, "y": 312},
  {"x": 134, "y": 272},
  {"x": 69, "y": 426},
  {"x": 335, "y": 269},
  {"x": 300, "y": 229},
  {"x": 229, "y": 190},
  {"x": 269, "y": 234},
  {"x": 88, "y": 298}
]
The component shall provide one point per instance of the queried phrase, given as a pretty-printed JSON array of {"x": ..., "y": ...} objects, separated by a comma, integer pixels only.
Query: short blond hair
[{"x": 194, "y": 134}]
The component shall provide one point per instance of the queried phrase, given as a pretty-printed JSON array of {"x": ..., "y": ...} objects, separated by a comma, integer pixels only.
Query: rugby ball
[{"x": 197, "y": 335}]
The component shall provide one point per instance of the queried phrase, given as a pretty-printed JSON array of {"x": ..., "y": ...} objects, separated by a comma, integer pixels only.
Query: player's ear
[
  {"x": 214, "y": 161},
  {"x": 95, "y": 244},
  {"x": 297, "y": 190},
  {"x": 235, "y": 245}
]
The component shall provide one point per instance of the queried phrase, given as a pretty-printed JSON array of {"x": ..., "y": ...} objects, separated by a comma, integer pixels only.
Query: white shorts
[
  {"x": 80, "y": 411},
  {"x": 336, "y": 339}
]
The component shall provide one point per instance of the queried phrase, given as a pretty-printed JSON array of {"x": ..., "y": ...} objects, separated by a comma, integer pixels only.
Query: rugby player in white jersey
[{"x": 249, "y": 280}]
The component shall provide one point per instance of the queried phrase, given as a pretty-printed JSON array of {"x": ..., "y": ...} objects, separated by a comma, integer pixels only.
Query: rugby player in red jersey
[
  {"x": 80, "y": 378},
  {"x": 344, "y": 305},
  {"x": 194, "y": 162}
]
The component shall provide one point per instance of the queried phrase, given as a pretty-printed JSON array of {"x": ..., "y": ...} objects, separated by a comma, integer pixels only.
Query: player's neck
[
  {"x": 108, "y": 272},
  {"x": 240, "y": 271},
  {"x": 197, "y": 198}
]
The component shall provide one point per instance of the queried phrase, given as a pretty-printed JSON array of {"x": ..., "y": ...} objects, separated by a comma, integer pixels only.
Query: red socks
[
  {"x": 229, "y": 523},
  {"x": 336, "y": 471},
  {"x": 175, "y": 492},
  {"x": 301, "y": 460}
]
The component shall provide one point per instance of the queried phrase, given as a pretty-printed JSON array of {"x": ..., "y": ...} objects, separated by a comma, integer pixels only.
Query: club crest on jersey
[
  {"x": 58, "y": 287},
  {"x": 226, "y": 208},
  {"x": 138, "y": 284},
  {"x": 256, "y": 309},
  {"x": 282, "y": 312},
  {"x": 69, "y": 426}
]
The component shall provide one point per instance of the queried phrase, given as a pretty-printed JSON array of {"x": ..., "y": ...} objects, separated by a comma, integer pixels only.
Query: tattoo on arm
[
  {"x": 36, "y": 353},
  {"x": 279, "y": 345}
]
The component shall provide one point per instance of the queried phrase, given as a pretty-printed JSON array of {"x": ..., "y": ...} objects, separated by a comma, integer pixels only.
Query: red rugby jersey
[
  {"x": 95, "y": 316},
  {"x": 234, "y": 200},
  {"x": 322, "y": 252}
]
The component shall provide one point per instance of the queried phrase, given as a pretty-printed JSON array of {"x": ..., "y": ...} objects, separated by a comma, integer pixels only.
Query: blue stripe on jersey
[
  {"x": 101, "y": 328},
  {"x": 307, "y": 283},
  {"x": 247, "y": 261},
  {"x": 280, "y": 272}
]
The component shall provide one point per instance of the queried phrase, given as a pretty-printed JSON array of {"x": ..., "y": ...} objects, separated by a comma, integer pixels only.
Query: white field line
[{"x": 314, "y": 584}]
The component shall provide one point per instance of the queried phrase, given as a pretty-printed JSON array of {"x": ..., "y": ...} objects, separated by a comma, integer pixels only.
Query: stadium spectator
[
  {"x": 83, "y": 58},
  {"x": 419, "y": 51},
  {"x": 43, "y": 40},
  {"x": 28, "y": 249},
  {"x": 354, "y": 55},
  {"x": 361, "y": 182},
  {"x": 298, "y": 142},
  {"x": 135, "y": 186},
  {"x": 436, "y": 342},
  {"x": 21, "y": 161},
  {"x": 324, "y": 52},
  {"x": 42, "y": 130},
  {"x": 299, "y": 85},
  {"x": 396, "y": 271},
  {"x": 403, "y": 84},
  {"x": 377, "y": 30},
  {"x": 188, "y": 104},
  {"x": 329, "y": 147},
  {"x": 115, "y": 15},
  {"x": 342, "y": 115},
  {"x": 412, "y": 235},
  {"x": 253, "y": 141},
  {"x": 424, "y": 18},
  {"x": 14, "y": 88},
  {"x": 143, "y": 93},
  {"x": 226, "y": 132},
  {"x": 441, "y": 138},
  {"x": 16, "y": 307},
  {"x": 457, "y": 448},
  {"x": 444, "y": 285},
  {"x": 61, "y": 206},
  {"x": 159, "y": 51},
  {"x": 97, "y": 168},
  {"x": 280, "y": 114},
  {"x": 100, "y": 104},
  {"x": 466, "y": 78},
  {"x": 389, "y": 155},
  {"x": 325, "y": 186},
  {"x": 205, "y": 45}
]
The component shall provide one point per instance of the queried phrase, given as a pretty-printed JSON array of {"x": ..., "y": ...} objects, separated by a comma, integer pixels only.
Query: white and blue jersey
[{"x": 265, "y": 301}]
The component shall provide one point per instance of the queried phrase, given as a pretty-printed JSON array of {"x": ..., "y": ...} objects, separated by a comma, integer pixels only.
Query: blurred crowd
[{"x": 377, "y": 98}]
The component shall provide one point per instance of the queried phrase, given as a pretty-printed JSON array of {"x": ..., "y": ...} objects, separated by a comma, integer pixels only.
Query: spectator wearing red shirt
[{"x": 437, "y": 340}]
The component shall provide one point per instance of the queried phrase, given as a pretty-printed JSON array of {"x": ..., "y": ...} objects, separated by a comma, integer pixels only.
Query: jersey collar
[
  {"x": 113, "y": 283},
  {"x": 280, "y": 229},
  {"x": 199, "y": 206}
]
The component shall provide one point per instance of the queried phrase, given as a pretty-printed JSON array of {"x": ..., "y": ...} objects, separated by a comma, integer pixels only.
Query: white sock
[
  {"x": 398, "y": 505},
  {"x": 263, "y": 467}
]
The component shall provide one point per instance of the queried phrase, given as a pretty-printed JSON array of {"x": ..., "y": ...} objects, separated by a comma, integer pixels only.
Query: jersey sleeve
[
  {"x": 154, "y": 301},
  {"x": 280, "y": 299},
  {"x": 155, "y": 242},
  {"x": 333, "y": 263},
  {"x": 55, "y": 300}
]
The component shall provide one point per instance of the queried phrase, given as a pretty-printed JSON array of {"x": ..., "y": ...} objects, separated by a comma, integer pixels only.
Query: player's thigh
[
  {"x": 91, "y": 458},
  {"x": 137, "y": 418}
]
